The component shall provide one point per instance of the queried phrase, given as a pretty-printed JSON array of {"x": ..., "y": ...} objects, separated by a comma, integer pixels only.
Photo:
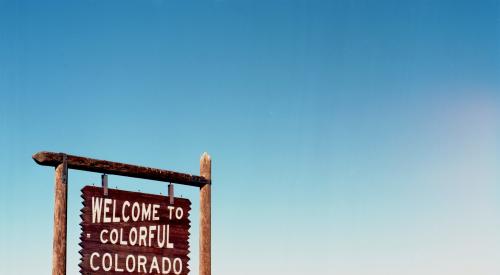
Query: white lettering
[
  {"x": 166, "y": 261},
  {"x": 179, "y": 213},
  {"x": 146, "y": 212},
  {"x": 154, "y": 265},
  {"x": 179, "y": 269},
  {"x": 96, "y": 209},
  {"x": 115, "y": 218},
  {"x": 143, "y": 232},
  {"x": 170, "y": 208},
  {"x": 125, "y": 217},
  {"x": 132, "y": 236},
  {"x": 102, "y": 234},
  {"x": 155, "y": 212},
  {"x": 141, "y": 261},
  {"x": 106, "y": 219},
  {"x": 113, "y": 236},
  {"x": 122, "y": 242},
  {"x": 117, "y": 269},
  {"x": 136, "y": 211},
  {"x": 127, "y": 263},
  {"x": 135, "y": 264},
  {"x": 169, "y": 244},
  {"x": 94, "y": 268},
  {"x": 160, "y": 240},
  {"x": 151, "y": 234},
  {"x": 104, "y": 257}
]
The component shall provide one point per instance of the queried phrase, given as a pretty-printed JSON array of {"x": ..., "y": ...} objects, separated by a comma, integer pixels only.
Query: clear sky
[{"x": 347, "y": 137}]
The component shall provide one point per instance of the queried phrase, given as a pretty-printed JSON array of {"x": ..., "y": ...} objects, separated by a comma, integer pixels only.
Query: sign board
[{"x": 133, "y": 233}]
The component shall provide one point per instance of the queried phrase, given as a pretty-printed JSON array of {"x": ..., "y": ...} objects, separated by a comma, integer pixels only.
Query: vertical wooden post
[
  {"x": 59, "y": 242},
  {"x": 205, "y": 216}
]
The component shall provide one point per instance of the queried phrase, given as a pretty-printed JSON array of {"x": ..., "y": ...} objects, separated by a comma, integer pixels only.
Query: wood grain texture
[
  {"x": 205, "y": 216},
  {"x": 60, "y": 212},
  {"x": 117, "y": 168},
  {"x": 90, "y": 236}
]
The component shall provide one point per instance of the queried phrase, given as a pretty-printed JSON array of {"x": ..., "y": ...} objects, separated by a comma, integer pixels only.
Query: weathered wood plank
[
  {"x": 116, "y": 234},
  {"x": 117, "y": 168}
]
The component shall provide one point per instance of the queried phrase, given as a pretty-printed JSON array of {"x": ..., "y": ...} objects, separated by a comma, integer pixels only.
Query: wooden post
[
  {"x": 205, "y": 216},
  {"x": 60, "y": 210}
]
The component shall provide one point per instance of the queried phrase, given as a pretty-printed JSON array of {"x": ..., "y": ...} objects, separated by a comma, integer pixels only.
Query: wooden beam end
[
  {"x": 205, "y": 157},
  {"x": 40, "y": 157},
  {"x": 48, "y": 158}
]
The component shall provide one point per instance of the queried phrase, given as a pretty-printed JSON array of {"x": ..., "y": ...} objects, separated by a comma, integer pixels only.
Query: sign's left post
[{"x": 60, "y": 212}]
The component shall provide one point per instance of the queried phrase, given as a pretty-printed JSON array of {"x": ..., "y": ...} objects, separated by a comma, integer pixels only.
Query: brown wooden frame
[{"x": 62, "y": 162}]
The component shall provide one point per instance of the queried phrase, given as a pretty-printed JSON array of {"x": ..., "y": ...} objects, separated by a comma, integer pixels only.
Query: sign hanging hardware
[
  {"x": 171, "y": 193},
  {"x": 104, "y": 181}
]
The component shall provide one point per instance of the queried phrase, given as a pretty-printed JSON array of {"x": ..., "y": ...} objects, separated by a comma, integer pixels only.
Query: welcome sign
[{"x": 133, "y": 233}]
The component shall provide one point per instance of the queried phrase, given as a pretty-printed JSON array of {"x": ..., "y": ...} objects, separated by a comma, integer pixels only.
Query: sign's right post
[
  {"x": 60, "y": 220},
  {"x": 205, "y": 216}
]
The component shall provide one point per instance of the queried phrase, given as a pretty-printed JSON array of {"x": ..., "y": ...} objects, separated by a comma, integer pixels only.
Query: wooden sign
[{"x": 133, "y": 233}]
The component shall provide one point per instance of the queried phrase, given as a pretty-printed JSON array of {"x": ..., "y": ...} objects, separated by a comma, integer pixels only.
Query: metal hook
[
  {"x": 104, "y": 181},
  {"x": 171, "y": 193}
]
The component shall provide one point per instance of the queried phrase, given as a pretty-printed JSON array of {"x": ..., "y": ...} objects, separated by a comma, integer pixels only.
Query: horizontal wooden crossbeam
[{"x": 117, "y": 168}]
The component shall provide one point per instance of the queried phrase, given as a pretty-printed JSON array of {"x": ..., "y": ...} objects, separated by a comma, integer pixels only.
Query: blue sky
[{"x": 347, "y": 137}]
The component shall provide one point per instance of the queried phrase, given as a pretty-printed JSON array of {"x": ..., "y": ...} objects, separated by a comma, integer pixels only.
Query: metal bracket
[
  {"x": 171, "y": 193},
  {"x": 104, "y": 183}
]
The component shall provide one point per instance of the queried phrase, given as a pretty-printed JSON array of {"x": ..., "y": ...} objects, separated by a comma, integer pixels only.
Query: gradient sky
[{"x": 347, "y": 137}]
